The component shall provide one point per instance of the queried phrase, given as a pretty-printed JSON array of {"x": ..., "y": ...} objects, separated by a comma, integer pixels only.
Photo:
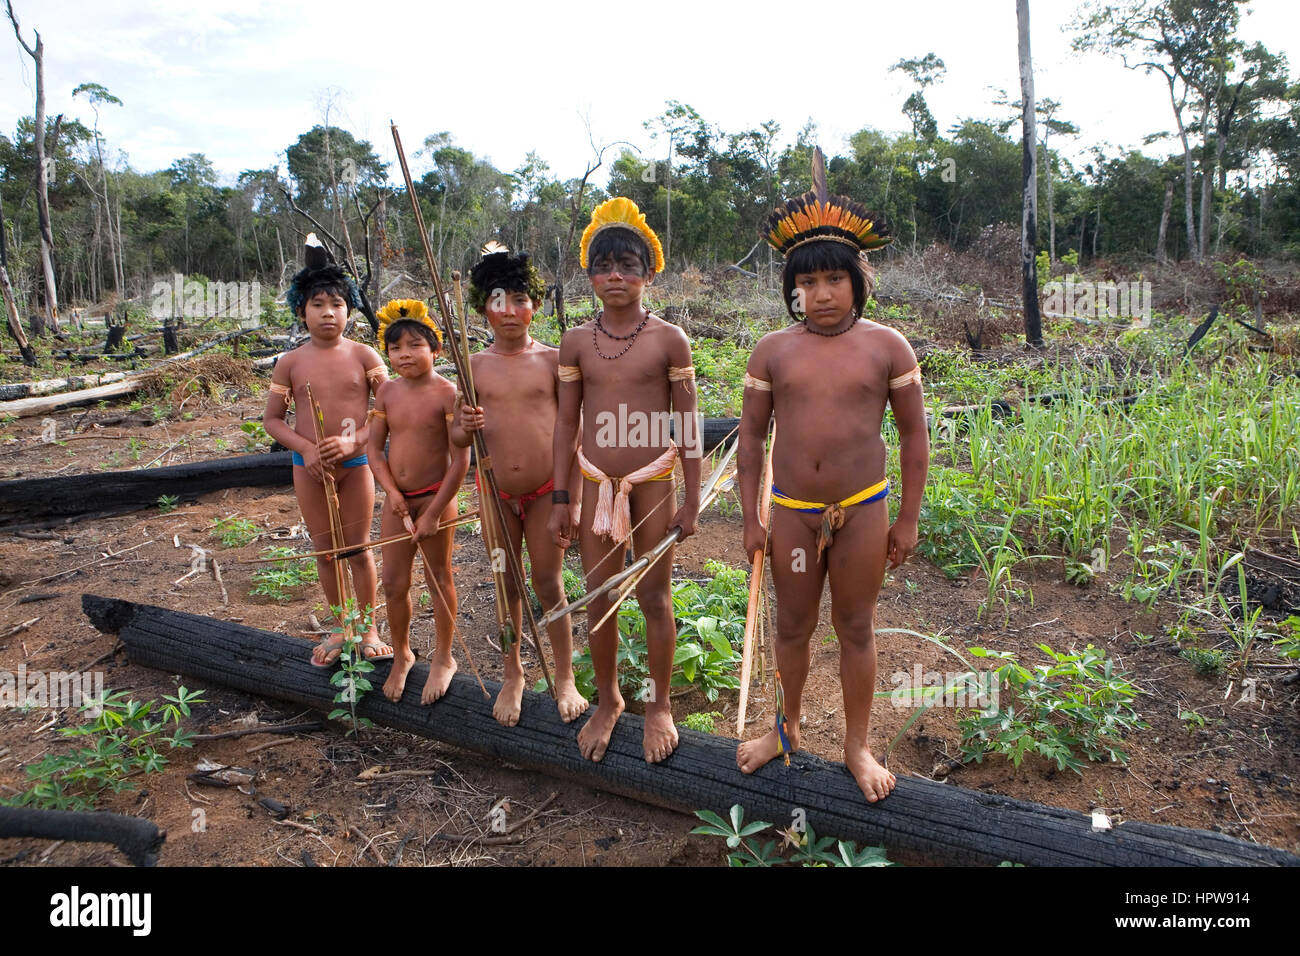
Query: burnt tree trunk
[
  {"x": 939, "y": 821},
  {"x": 140, "y": 840}
]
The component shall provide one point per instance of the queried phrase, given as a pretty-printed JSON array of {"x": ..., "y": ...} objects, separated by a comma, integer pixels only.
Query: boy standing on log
[
  {"x": 342, "y": 374},
  {"x": 421, "y": 474},
  {"x": 624, "y": 376},
  {"x": 827, "y": 380},
  {"x": 517, "y": 381}
]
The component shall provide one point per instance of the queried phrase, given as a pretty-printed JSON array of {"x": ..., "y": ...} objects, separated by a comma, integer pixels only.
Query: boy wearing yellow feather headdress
[
  {"x": 621, "y": 372},
  {"x": 421, "y": 474},
  {"x": 517, "y": 381},
  {"x": 827, "y": 379}
]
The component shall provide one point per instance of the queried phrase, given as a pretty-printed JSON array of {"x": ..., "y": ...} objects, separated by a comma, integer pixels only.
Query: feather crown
[
  {"x": 623, "y": 213},
  {"x": 320, "y": 270},
  {"x": 819, "y": 215},
  {"x": 406, "y": 310},
  {"x": 500, "y": 270}
]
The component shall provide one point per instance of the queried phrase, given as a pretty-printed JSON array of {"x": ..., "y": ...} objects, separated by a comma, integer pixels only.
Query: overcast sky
[{"x": 240, "y": 80}]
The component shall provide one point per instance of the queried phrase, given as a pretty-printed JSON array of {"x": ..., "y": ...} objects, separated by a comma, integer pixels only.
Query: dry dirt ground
[{"x": 1236, "y": 774}]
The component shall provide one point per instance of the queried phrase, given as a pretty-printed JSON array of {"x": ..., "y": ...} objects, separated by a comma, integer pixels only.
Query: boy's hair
[
  {"x": 615, "y": 243},
  {"x": 500, "y": 270},
  {"x": 334, "y": 285},
  {"x": 395, "y": 330},
  {"x": 829, "y": 256},
  {"x": 320, "y": 274}
]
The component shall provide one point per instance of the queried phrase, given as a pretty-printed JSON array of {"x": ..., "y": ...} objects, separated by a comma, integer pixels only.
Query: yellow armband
[
  {"x": 570, "y": 373},
  {"x": 284, "y": 391},
  {"x": 757, "y": 383}
]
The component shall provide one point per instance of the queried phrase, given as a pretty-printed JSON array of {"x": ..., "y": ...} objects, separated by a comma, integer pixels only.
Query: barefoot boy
[
  {"x": 420, "y": 474},
  {"x": 518, "y": 382},
  {"x": 622, "y": 374},
  {"x": 827, "y": 379},
  {"x": 342, "y": 374}
]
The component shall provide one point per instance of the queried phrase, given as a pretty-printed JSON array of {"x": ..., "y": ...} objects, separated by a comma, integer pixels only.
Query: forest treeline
[{"x": 1229, "y": 182}]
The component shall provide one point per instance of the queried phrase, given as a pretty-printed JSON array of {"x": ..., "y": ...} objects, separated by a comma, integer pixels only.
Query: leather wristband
[{"x": 559, "y": 497}]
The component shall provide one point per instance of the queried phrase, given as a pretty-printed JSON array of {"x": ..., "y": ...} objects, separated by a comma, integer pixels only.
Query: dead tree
[{"x": 37, "y": 53}]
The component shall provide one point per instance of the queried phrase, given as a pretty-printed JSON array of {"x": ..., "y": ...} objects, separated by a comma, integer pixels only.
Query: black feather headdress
[
  {"x": 320, "y": 272},
  {"x": 500, "y": 270}
]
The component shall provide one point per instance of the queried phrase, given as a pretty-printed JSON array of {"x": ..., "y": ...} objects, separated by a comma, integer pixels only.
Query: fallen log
[
  {"x": 36, "y": 502},
  {"x": 939, "y": 822},
  {"x": 140, "y": 840},
  {"x": 125, "y": 385},
  {"x": 33, "y": 502},
  {"x": 49, "y": 386}
]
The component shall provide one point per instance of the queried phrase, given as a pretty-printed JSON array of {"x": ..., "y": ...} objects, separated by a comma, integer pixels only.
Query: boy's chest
[
  {"x": 419, "y": 412},
  {"x": 331, "y": 377},
  {"x": 626, "y": 371},
  {"x": 853, "y": 374},
  {"x": 529, "y": 383}
]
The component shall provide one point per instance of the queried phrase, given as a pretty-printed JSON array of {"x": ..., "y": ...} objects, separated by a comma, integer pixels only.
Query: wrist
[{"x": 559, "y": 496}]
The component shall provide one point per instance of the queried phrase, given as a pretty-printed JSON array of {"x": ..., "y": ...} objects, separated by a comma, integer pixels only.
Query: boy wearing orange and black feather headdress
[{"x": 826, "y": 380}]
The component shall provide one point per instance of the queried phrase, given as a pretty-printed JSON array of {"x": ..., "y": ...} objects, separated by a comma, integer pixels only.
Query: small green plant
[
  {"x": 120, "y": 742},
  {"x": 809, "y": 849},
  {"x": 167, "y": 503},
  {"x": 134, "y": 446},
  {"x": 1287, "y": 643},
  {"x": 255, "y": 436},
  {"x": 701, "y": 721},
  {"x": 573, "y": 584},
  {"x": 1208, "y": 662},
  {"x": 1192, "y": 721},
  {"x": 710, "y": 630},
  {"x": 291, "y": 571},
  {"x": 233, "y": 532},
  {"x": 1078, "y": 702},
  {"x": 350, "y": 678}
]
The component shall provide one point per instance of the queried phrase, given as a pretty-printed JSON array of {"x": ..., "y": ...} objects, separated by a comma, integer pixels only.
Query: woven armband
[
  {"x": 570, "y": 373},
  {"x": 757, "y": 383},
  {"x": 905, "y": 380}
]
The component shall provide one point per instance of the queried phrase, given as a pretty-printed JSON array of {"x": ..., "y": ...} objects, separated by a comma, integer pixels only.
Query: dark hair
[
  {"x": 499, "y": 270},
  {"x": 828, "y": 256},
  {"x": 327, "y": 284},
  {"x": 616, "y": 242},
  {"x": 394, "y": 332}
]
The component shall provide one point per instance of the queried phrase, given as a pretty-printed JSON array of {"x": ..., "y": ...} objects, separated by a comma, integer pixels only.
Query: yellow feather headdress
[
  {"x": 818, "y": 215},
  {"x": 412, "y": 310},
  {"x": 623, "y": 213}
]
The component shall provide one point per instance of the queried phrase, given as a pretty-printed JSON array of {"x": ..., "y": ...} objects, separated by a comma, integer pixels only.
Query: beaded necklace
[{"x": 630, "y": 338}]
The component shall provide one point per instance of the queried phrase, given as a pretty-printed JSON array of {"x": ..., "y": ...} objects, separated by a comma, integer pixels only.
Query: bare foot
[
  {"x": 593, "y": 738},
  {"x": 753, "y": 754},
  {"x": 876, "y": 782},
  {"x": 659, "y": 738},
  {"x": 509, "y": 699},
  {"x": 569, "y": 702},
  {"x": 395, "y": 686},
  {"x": 440, "y": 673}
]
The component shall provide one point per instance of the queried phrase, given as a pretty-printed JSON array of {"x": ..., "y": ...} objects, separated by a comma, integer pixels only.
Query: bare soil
[{"x": 1236, "y": 775}]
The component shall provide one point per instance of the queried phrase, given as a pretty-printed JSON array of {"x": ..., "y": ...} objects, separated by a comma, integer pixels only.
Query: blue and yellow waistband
[{"x": 874, "y": 493}]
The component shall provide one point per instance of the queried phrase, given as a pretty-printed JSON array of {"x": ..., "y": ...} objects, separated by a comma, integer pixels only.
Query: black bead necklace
[
  {"x": 630, "y": 338},
  {"x": 831, "y": 335}
]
